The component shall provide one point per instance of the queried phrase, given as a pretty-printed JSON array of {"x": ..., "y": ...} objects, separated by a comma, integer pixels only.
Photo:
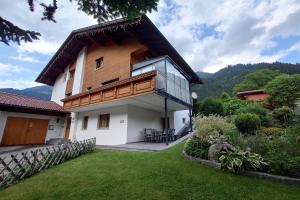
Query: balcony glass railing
[{"x": 169, "y": 79}]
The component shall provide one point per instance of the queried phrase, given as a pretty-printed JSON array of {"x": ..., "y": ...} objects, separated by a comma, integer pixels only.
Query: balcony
[
  {"x": 149, "y": 81},
  {"x": 170, "y": 80},
  {"x": 135, "y": 86}
]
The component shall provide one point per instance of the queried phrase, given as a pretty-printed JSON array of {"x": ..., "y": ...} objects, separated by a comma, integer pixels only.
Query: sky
[{"x": 210, "y": 35}]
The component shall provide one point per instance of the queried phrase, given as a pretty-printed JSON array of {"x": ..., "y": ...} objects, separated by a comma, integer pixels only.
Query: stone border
[{"x": 260, "y": 175}]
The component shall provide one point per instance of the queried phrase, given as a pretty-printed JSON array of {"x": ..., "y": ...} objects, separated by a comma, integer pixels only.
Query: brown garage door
[{"x": 24, "y": 131}]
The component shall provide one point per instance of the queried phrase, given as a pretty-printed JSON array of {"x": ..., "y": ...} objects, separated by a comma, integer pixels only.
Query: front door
[{"x": 67, "y": 131}]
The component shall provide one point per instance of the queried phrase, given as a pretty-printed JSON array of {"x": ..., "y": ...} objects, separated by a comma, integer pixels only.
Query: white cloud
[
  {"x": 18, "y": 84},
  {"x": 247, "y": 28},
  {"x": 7, "y": 69},
  {"x": 25, "y": 58}
]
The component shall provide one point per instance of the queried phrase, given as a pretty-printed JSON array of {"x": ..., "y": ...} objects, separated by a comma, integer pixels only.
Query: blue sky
[{"x": 209, "y": 34}]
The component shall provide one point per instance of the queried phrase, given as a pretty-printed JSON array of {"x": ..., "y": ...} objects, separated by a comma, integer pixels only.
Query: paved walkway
[
  {"x": 143, "y": 146},
  {"x": 6, "y": 151}
]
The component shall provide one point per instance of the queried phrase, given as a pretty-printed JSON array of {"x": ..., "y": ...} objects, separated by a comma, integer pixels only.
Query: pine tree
[{"x": 102, "y": 10}]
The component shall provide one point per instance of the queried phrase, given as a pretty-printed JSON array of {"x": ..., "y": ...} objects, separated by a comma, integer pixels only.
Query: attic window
[
  {"x": 99, "y": 63},
  {"x": 110, "y": 81},
  {"x": 89, "y": 88}
]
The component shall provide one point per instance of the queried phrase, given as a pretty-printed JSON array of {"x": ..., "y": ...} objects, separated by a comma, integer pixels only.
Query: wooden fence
[{"x": 19, "y": 166}]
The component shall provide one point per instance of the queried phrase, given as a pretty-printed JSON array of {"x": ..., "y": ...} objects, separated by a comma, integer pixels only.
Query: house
[
  {"x": 26, "y": 120},
  {"x": 118, "y": 78},
  {"x": 253, "y": 95}
]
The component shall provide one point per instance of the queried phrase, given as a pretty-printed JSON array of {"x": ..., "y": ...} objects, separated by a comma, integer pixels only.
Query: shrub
[
  {"x": 212, "y": 127},
  {"x": 272, "y": 131},
  {"x": 247, "y": 123},
  {"x": 197, "y": 147},
  {"x": 284, "y": 153},
  {"x": 258, "y": 143},
  {"x": 196, "y": 110},
  {"x": 256, "y": 109},
  {"x": 284, "y": 115},
  {"x": 211, "y": 106},
  {"x": 232, "y": 104},
  {"x": 236, "y": 139},
  {"x": 240, "y": 161}
]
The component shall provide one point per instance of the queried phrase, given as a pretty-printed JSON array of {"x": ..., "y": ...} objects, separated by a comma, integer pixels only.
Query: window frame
[
  {"x": 99, "y": 121},
  {"x": 101, "y": 61},
  {"x": 83, "y": 126}
]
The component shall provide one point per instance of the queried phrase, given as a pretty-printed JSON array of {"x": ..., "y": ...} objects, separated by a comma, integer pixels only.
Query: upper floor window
[
  {"x": 103, "y": 121},
  {"x": 110, "y": 81},
  {"x": 85, "y": 122},
  {"x": 99, "y": 63},
  {"x": 71, "y": 75}
]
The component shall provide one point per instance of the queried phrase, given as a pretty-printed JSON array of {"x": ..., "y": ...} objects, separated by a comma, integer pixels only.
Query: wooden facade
[
  {"x": 134, "y": 86},
  {"x": 116, "y": 62}
]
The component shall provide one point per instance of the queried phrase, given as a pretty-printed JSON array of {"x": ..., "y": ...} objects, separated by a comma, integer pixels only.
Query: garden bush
[
  {"x": 240, "y": 161},
  {"x": 211, "y": 127},
  {"x": 236, "y": 139},
  {"x": 247, "y": 123},
  {"x": 284, "y": 115},
  {"x": 272, "y": 131},
  {"x": 256, "y": 109},
  {"x": 211, "y": 106},
  {"x": 197, "y": 147},
  {"x": 232, "y": 104}
]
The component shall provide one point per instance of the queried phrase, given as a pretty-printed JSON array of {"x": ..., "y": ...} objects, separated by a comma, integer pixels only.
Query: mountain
[
  {"x": 40, "y": 92},
  {"x": 226, "y": 78},
  {"x": 214, "y": 83}
]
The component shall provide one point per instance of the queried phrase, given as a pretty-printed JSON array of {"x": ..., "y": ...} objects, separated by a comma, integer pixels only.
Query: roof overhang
[{"x": 115, "y": 30}]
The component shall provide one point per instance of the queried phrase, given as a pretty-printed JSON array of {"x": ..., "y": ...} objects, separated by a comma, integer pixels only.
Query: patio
[{"x": 143, "y": 146}]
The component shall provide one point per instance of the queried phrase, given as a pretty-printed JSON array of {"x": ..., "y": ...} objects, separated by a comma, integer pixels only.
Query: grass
[{"x": 107, "y": 174}]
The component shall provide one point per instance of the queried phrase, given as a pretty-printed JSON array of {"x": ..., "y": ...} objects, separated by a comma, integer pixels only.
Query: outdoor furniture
[
  {"x": 171, "y": 134},
  {"x": 148, "y": 137}
]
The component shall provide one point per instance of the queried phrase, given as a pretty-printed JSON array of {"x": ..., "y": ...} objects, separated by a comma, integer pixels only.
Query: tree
[
  {"x": 284, "y": 90},
  {"x": 256, "y": 80},
  {"x": 101, "y": 10},
  {"x": 211, "y": 106}
]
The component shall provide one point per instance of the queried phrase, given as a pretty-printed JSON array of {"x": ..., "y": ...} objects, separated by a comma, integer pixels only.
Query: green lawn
[{"x": 107, "y": 174}]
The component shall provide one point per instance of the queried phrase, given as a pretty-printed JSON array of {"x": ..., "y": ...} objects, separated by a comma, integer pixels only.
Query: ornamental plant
[
  {"x": 247, "y": 123},
  {"x": 211, "y": 127}
]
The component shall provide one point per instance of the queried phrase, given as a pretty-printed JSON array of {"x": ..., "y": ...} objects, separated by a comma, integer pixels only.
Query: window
[
  {"x": 51, "y": 127},
  {"x": 85, "y": 122},
  {"x": 71, "y": 75},
  {"x": 103, "y": 121},
  {"x": 110, "y": 81},
  {"x": 99, "y": 63},
  {"x": 183, "y": 120}
]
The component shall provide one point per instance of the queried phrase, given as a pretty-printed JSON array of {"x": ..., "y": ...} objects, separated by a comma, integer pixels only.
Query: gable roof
[
  {"x": 19, "y": 103},
  {"x": 250, "y": 92},
  {"x": 116, "y": 30}
]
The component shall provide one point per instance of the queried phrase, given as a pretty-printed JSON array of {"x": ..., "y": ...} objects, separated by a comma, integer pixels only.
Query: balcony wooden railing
[{"x": 134, "y": 86}]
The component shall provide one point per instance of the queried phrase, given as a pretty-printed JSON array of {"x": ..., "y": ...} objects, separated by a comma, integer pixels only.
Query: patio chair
[
  {"x": 171, "y": 134},
  {"x": 148, "y": 136}
]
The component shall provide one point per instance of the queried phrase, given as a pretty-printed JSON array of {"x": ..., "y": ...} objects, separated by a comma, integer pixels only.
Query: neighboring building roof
[
  {"x": 249, "y": 92},
  {"x": 116, "y": 30},
  {"x": 19, "y": 103}
]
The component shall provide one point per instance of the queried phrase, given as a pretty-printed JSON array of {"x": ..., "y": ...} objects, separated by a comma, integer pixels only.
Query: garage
[
  {"x": 24, "y": 131},
  {"x": 29, "y": 121}
]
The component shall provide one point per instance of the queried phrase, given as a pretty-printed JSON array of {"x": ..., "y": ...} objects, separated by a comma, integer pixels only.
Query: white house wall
[
  {"x": 139, "y": 119},
  {"x": 79, "y": 72},
  {"x": 59, "y": 87},
  {"x": 178, "y": 119},
  {"x": 114, "y": 135},
  {"x": 57, "y": 132}
]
